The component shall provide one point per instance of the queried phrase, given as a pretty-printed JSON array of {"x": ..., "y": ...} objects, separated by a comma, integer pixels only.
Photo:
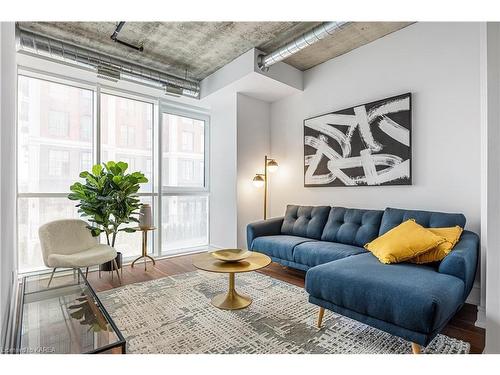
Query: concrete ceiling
[
  {"x": 352, "y": 36},
  {"x": 200, "y": 48}
]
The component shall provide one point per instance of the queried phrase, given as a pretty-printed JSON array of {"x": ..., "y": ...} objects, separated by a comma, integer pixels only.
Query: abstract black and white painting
[{"x": 369, "y": 144}]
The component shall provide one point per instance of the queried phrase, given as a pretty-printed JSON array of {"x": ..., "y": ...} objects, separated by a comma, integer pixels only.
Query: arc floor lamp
[{"x": 260, "y": 179}]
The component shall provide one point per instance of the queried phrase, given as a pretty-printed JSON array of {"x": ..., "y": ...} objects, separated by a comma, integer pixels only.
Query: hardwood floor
[{"x": 461, "y": 326}]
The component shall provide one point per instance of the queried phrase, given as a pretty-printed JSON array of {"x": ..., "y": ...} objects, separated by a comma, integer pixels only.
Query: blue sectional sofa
[{"x": 411, "y": 301}]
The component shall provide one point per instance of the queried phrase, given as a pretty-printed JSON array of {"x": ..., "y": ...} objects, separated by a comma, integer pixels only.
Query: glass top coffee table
[
  {"x": 65, "y": 318},
  {"x": 231, "y": 300}
]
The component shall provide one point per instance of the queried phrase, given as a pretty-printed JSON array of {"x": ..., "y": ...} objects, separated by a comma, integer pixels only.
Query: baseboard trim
[{"x": 481, "y": 317}]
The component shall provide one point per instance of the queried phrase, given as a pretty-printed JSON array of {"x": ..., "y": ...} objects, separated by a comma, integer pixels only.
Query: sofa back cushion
[
  {"x": 352, "y": 226},
  {"x": 394, "y": 216},
  {"x": 305, "y": 221}
]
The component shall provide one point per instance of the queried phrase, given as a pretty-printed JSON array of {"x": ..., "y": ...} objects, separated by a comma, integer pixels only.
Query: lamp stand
[
  {"x": 261, "y": 178},
  {"x": 265, "y": 187}
]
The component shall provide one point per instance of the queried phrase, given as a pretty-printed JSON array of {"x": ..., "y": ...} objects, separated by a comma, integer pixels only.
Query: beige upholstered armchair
[{"x": 69, "y": 244}]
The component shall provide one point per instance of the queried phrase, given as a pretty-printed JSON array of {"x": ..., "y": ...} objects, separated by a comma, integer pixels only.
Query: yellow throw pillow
[
  {"x": 452, "y": 235},
  {"x": 403, "y": 242}
]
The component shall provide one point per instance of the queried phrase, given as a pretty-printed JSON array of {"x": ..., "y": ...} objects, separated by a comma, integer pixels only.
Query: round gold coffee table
[{"x": 231, "y": 300}]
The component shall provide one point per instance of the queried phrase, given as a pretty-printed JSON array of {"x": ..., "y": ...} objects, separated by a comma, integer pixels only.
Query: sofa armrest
[
  {"x": 261, "y": 228},
  {"x": 462, "y": 261}
]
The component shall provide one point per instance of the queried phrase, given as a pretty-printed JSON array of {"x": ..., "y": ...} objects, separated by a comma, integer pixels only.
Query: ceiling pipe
[
  {"x": 117, "y": 30},
  {"x": 305, "y": 40},
  {"x": 114, "y": 38},
  {"x": 52, "y": 49}
]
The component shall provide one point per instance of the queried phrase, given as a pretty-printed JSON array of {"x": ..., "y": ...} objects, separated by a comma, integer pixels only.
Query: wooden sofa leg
[
  {"x": 416, "y": 348},
  {"x": 320, "y": 316}
]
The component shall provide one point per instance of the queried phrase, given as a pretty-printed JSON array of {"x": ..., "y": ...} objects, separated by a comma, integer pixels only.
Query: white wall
[
  {"x": 439, "y": 64},
  {"x": 240, "y": 130},
  {"x": 223, "y": 209},
  {"x": 8, "y": 85},
  {"x": 253, "y": 122},
  {"x": 490, "y": 168}
]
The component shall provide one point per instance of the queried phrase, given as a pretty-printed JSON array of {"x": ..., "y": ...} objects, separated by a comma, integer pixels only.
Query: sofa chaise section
[
  {"x": 411, "y": 301},
  {"x": 417, "y": 301}
]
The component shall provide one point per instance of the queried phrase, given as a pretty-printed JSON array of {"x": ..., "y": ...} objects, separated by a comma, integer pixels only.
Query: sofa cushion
[
  {"x": 415, "y": 297},
  {"x": 280, "y": 246},
  {"x": 394, "y": 216},
  {"x": 407, "y": 240},
  {"x": 437, "y": 254},
  {"x": 352, "y": 226},
  {"x": 319, "y": 252},
  {"x": 305, "y": 221}
]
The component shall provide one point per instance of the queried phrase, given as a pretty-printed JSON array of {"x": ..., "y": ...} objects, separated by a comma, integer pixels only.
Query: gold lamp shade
[
  {"x": 258, "y": 181},
  {"x": 272, "y": 165}
]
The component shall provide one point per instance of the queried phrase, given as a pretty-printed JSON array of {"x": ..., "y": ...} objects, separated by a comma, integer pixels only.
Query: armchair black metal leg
[
  {"x": 86, "y": 272},
  {"x": 51, "y": 276},
  {"x": 115, "y": 266}
]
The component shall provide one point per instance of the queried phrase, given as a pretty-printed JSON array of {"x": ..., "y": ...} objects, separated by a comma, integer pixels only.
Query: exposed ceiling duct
[
  {"x": 315, "y": 35},
  {"x": 105, "y": 66},
  {"x": 112, "y": 75}
]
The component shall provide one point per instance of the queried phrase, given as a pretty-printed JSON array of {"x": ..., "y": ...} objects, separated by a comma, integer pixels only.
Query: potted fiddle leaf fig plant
[{"x": 108, "y": 199}]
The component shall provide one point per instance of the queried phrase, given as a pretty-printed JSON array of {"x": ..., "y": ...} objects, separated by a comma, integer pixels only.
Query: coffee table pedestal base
[{"x": 231, "y": 300}]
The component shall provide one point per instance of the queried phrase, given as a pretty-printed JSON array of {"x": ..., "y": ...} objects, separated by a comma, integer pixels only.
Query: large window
[
  {"x": 49, "y": 158},
  {"x": 58, "y": 163},
  {"x": 59, "y": 135},
  {"x": 183, "y": 151},
  {"x": 85, "y": 161},
  {"x": 59, "y": 123},
  {"x": 85, "y": 128},
  {"x": 187, "y": 141},
  {"x": 184, "y": 186},
  {"x": 185, "y": 222},
  {"x": 126, "y": 136}
]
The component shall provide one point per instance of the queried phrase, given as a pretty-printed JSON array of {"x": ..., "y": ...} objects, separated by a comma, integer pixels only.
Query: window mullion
[
  {"x": 97, "y": 126},
  {"x": 158, "y": 144}
]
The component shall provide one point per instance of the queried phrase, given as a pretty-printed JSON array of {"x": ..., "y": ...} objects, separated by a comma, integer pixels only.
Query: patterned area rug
[{"x": 174, "y": 315}]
